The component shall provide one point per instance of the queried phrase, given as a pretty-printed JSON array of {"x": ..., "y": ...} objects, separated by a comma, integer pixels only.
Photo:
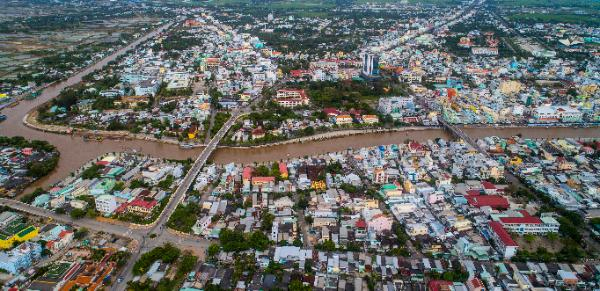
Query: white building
[{"x": 106, "y": 204}]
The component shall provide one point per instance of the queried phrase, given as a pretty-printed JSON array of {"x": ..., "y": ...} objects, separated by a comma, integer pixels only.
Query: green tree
[
  {"x": 297, "y": 285},
  {"x": 77, "y": 213},
  {"x": 529, "y": 238},
  {"x": 213, "y": 250}
]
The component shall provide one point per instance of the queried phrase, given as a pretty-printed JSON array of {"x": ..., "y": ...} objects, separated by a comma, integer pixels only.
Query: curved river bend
[{"x": 75, "y": 152}]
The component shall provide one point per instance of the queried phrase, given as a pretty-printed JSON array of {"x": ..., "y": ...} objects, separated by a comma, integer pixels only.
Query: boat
[{"x": 186, "y": 145}]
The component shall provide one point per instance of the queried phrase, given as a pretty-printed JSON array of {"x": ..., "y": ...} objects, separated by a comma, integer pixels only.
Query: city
[{"x": 314, "y": 145}]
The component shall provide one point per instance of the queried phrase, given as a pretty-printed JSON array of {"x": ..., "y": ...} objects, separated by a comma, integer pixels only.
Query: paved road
[
  {"x": 159, "y": 227},
  {"x": 88, "y": 223}
]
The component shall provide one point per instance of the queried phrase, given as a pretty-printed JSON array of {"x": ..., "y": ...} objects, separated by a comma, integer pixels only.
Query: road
[{"x": 158, "y": 229}]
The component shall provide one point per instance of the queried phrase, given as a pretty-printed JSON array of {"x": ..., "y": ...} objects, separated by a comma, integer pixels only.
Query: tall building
[{"x": 370, "y": 65}]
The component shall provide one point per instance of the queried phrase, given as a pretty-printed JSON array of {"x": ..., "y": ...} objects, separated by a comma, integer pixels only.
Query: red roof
[
  {"x": 502, "y": 234},
  {"x": 415, "y": 146},
  {"x": 439, "y": 285},
  {"x": 476, "y": 282},
  {"x": 488, "y": 185},
  {"x": 263, "y": 179},
  {"x": 361, "y": 223},
  {"x": 283, "y": 168},
  {"x": 494, "y": 201},
  {"x": 140, "y": 202},
  {"x": 520, "y": 220},
  {"x": 473, "y": 192},
  {"x": 102, "y": 163},
  {"x": 64, "y": 233},
  {"x": 247, "y": 174},
  {"x": 299, "y": 73},
  {"x": 331, "y": 111}
]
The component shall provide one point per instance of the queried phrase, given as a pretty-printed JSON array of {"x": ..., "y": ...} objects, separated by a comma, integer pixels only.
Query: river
[{"x": 75, "y": 152}]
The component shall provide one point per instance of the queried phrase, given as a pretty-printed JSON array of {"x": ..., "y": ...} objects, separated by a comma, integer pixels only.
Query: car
[{"x": 2, "y": 117}]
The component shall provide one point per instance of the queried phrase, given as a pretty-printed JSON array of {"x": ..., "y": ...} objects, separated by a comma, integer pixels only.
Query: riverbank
[{"x": 30, "y": 120}]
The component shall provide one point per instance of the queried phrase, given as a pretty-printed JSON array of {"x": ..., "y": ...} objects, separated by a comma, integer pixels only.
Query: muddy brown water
[{"x": 75, "y": 151}]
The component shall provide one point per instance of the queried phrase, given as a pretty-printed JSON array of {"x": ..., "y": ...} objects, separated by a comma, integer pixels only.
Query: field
[{"x": 20, "y": 51}]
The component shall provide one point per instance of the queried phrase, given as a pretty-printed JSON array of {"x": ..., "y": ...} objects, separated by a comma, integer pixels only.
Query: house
[
  {"x": 475, "y": 284},
  {"x": 146, "y": 87},
  {"x": 291, "y": 98},
  {"x": 395, "y": 105},
  {"x": 283, "y": 202},
  {"x": 16, "y": 232},
  {"x": 416, "y": 229},
  {"x": 380, "y": 223},
  {"x": 142, "y": 206},
  {"x": 202, "y": 224},
  {"x": 493, "y": 201},
  {"x": 85, "y": 105},
  {"x": 283, "y": 170},
  {"x": 523, "y": 223},
  {"x": 505, "y": 244},
  {"x": 484, "y": 51},
  {"x": 64, "y": 238},
  {"x": 263, "y": 184},
  {"x": 21, "y": 257},
  {"x": 342, "y": 119},
  {"x": 106, "y": 203},
  {"x": 370, "y": 119},
  {"x": 258, "y": 133}
]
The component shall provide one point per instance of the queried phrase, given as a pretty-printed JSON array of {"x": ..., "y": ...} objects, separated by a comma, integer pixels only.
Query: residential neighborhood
[{"x": 300, "y": 145}]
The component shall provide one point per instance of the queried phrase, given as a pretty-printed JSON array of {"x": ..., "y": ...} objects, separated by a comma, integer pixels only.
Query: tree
[
  {"x": 327, "y": 245},
  {"x": 259, "y": 241},
  {"x": 267, "y": 221},
  {"x": 552, "y": 237},
  {"x": 213, "y": 250},
  {"x": 80, "y": 233},
  {"x": 297, "y": 285},
  {"x": 77, "y": 213},
  {"x": 529, "y": 238},
  {"x": 308, "y": 219}
]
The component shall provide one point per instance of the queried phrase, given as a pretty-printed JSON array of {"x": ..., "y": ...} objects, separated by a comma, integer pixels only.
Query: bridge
[
  {"x": 458, "y": 132},
  {"x": 189, "y": 178}
]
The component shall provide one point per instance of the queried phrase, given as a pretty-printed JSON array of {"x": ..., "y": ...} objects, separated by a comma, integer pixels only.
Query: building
[
  {"x": 484, "y": 51},
  {"x": 21, "y": 257},
  {"x": 527, "y": 224},
  {"x": 506, "y": 245},
  {"x": 380, "y": 223},
  {"x": 291, "y": 98},
  {"x": 16, "y": 232},
  {"x": 370, "y": 65},
  {"x": 342, "y": 119},
  {"x": 370, "y": 119},
  {"x": 493, "y": 201},
  {"x": 147, "y": 87},
  {"x": 475, "y": 284},
  {"x": 395, "y": 104},
  {"x": 106, "y": 203},
  {"x": 141, "y": 206}
]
